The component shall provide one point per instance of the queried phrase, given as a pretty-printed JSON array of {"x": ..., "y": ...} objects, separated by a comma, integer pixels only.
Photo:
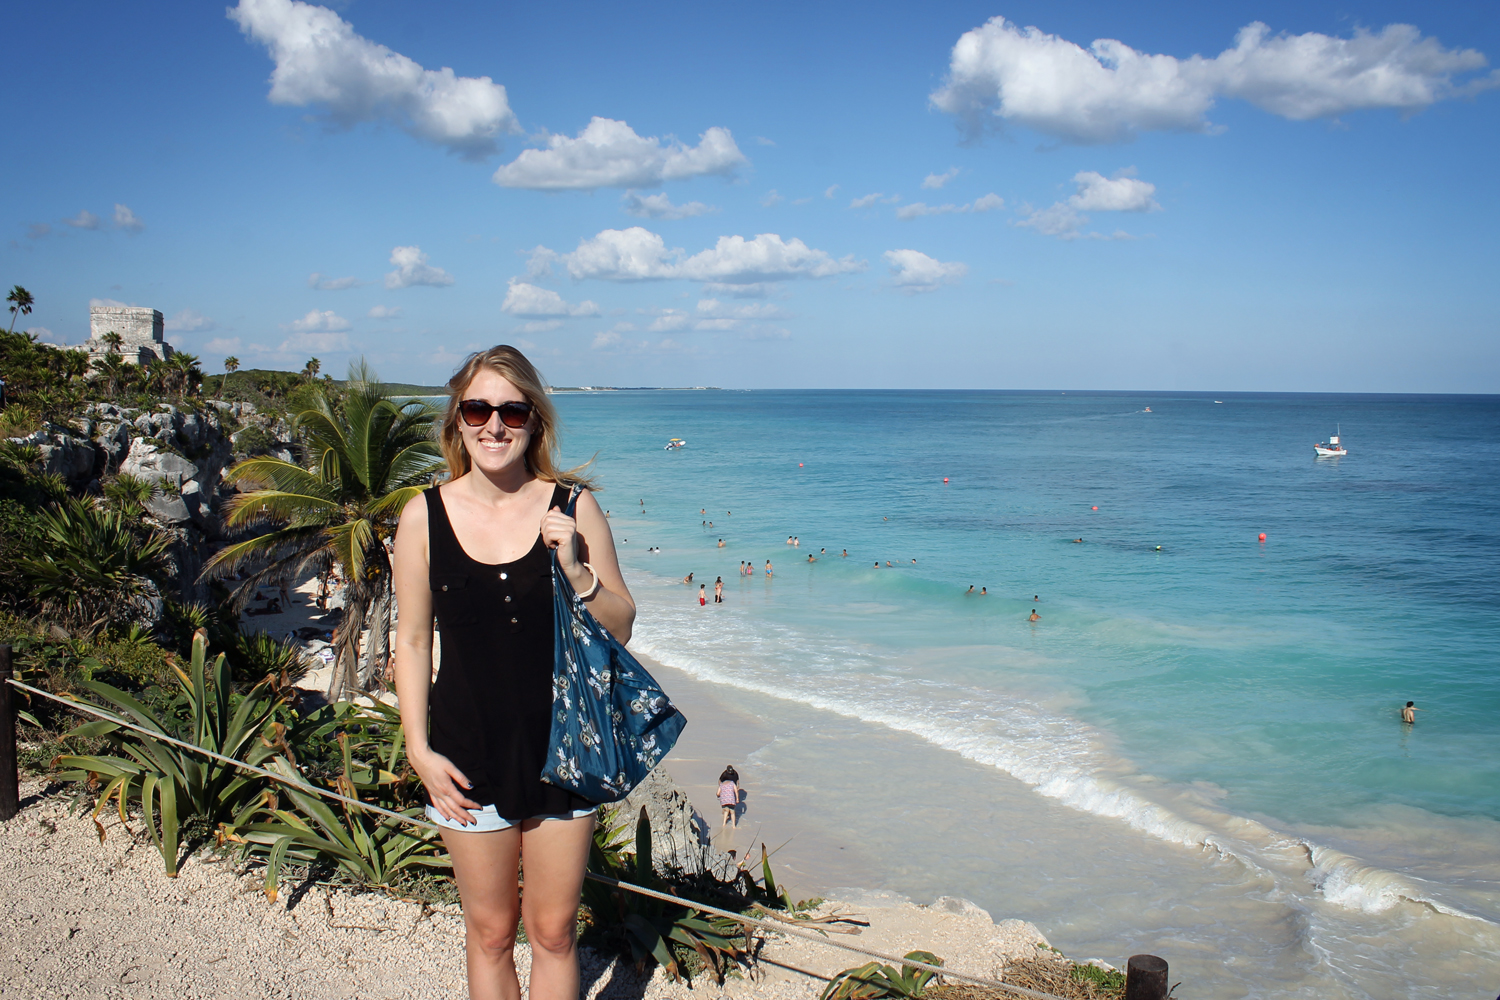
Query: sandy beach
[{"x": 100, "y": 919}]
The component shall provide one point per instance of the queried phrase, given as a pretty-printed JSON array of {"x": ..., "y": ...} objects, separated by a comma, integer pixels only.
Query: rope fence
[{"x": 1146, "y": 975}]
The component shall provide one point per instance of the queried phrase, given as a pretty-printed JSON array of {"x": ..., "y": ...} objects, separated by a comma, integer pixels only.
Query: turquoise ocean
[{"x": 1196, "y": 751}]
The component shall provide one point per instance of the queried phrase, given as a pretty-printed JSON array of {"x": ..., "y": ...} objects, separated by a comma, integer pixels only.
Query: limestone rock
[
  {"x": 148, "y": 461},
  {"x": 168, "y": 508},
  {"x": 679, "y": 835}
]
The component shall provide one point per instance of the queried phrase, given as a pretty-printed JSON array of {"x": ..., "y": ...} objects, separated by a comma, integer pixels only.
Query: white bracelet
[{"x": 590, "y": 592}]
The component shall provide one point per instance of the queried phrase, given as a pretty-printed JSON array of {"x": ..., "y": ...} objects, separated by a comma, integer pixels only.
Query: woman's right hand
[{"x": 445, "y": 786}]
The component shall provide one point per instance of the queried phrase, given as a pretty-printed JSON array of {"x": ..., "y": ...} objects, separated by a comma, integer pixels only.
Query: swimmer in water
[
  {"x": 1078, "y": 541},
  {"x": 1034, "y": 616},
  {"x": 845, "y": 553},
  {"x": 768, "y": 567},
  {"x": 969, "y": 591},
  {"x": 811, "y": 557},
  {"x": 1409, "y": 713},
  {"x": 721, "y": 543},
  {"x": 984, "y": 592},
  {"x": 688, "y": 579}
]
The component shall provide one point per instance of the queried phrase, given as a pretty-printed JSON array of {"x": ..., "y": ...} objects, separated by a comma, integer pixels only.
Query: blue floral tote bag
[{"x": 611, "y": 721}]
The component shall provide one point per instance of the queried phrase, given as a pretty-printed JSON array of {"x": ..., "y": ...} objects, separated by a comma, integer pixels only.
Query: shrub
[{"x": 170, "y": 783}]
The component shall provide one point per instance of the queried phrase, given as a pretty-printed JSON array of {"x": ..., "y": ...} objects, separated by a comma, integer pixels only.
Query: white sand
[{"x": 102, "y": 920}]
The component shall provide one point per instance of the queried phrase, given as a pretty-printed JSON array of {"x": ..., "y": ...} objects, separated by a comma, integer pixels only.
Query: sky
[{"x": 1156, "y": 196}]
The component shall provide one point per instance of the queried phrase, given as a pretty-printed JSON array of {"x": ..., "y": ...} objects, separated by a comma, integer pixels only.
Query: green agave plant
[
  {"x": 173, "y": 784},
  {"x": 873, "y": 980},
  {"x": 365, "y": 844}
]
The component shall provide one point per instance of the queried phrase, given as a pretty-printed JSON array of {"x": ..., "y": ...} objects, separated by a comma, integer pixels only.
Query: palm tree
[
  {"x": 369, "y": 455},
  {"x": 311, "y": 369},
  {"x": 112, "y": 342},
  {"x": 21, "y": 303},
  {"x": 183, "y": 372},
  {"x": 115, "y": 372},
  {"x": 231, "y": 365}
]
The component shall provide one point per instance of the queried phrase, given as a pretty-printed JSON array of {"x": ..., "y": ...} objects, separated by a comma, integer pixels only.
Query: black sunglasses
[{"x": 476, "y": 413}]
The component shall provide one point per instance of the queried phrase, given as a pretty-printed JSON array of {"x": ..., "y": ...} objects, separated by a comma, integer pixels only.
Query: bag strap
[{"x": 572, "y": 504}]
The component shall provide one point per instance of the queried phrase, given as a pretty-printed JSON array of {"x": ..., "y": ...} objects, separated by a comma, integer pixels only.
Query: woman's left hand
[{"x": 560, "y": 532}]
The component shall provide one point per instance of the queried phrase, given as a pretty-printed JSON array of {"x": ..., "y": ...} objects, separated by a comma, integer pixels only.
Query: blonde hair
[{"x": 541, "y": 453}]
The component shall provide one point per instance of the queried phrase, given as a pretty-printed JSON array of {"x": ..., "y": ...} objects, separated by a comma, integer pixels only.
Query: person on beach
[
  {"x": 688, "y": 579},
  {"x": 1409, "y": 713},
  {"x": 729, "y": 797},
  {"x": 768, "y": 567},
  {"x": 465, "y": 550},
  {"x": 1034, "y": 616},
  {"x": 719, "y": 590},
  {"x": 702, "y": 595}
]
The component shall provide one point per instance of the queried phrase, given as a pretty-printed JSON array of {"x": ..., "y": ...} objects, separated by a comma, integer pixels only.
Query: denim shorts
[{"x": 488, "y": 820}]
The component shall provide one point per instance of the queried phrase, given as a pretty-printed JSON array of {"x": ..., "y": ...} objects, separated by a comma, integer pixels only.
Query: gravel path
[{"x": 102, "y": 920}]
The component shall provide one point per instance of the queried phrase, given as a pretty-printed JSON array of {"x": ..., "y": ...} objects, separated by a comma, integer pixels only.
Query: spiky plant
[
  {"x": 368, "y": 456},
  {"x": 97, "y": 566}
]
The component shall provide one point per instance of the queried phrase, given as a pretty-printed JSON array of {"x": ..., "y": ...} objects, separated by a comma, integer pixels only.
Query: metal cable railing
[{"x": 78, "y": 705}]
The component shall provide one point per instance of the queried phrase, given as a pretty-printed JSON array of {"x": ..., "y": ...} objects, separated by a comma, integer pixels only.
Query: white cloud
[
  {"x": 670, "y": 320},
  {"x": 763, "y": 141},
  {"x": 323, "y": 283},
  {"x": 606, "y": 338},
  {"x": 127, "y": 220},
  {"x": 541, "y": 325},
  {"x": 935, "y": 181},
  {"x": 107, "y": 304},
  {"x": 987, "y": 203},
  {"x": 37, "y": 230},
  {"x": 321, "y": 60},
  {"x": 608, "y": 153},
  {"x": 412, "y": 269},
  {"x": 222, "y": 345},
  {"x": 771, "y": 199},
  {"x": 539, "y": 261},
  {"x": 316, "y": 321},
  {"x": 83, "y": 220},
  {"x": 637, "y": 254},
  {"x": 874, "y": 199},
  {"x": 384, "y": 312},
  {"x": 524, "y": 299},
  {"x": 659, "y": 206},
  {"x": 190, "y": 321},
  {"x": 1001, "y": 73},
  {"x": 913, "y": 271},
  {"x": 752, "y": 290},
  {"x": 44, "y": 334},
  {"x": 832, "y": 190},
  {"x": 1096, "y": 193},
  {"x": 308, "y": 342}
]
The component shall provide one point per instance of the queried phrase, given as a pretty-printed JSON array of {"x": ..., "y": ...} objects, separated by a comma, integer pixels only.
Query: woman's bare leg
[
  {"x": 486, "y": 866},
  {"x": 555, "y": 853}
]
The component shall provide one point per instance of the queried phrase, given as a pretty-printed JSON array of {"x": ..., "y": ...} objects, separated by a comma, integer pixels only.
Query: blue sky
[{"x": 791, "y": 195}]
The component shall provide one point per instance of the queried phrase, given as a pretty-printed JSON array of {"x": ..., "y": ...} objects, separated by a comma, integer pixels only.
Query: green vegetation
[
  {"x": 370, "y": 454},
  {"x": 171, "y": 784},
  {"x": 873, "y": 980}
]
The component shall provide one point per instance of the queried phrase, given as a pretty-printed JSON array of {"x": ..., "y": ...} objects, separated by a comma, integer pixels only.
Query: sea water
[{"x": 1196, "y": 751}]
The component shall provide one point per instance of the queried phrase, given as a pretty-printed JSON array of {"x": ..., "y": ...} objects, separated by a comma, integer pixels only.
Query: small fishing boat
[
  {"x": 674, "y": 444},
  {"x": 1330, "y": 448}
]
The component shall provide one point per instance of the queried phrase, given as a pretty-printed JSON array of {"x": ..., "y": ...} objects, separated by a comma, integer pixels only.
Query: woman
[
  {"x": 729, "y": 797},
  {"x": 474, "y": 553},
  {"x": 719, "y": 590}
]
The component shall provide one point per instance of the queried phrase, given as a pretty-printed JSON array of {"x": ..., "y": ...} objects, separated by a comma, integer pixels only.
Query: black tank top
[{"x": 490, "y": 710}]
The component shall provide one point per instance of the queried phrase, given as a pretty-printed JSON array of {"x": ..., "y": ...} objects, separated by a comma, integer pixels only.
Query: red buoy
[
  {"x": 799, "y": 465},
  {"x": 1093, "y": 508},
  {"x": 1262, "y": 536},
  {"x": 945, "y": 479}
]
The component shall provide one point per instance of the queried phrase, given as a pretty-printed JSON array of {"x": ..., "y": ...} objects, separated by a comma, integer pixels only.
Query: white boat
[
  {"x": 1330, "y": 448},
  {"x": 674, "y": 444}
]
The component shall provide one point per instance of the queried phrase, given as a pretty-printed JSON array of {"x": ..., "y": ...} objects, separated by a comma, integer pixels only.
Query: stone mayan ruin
[{"x": 141, "y": 333}]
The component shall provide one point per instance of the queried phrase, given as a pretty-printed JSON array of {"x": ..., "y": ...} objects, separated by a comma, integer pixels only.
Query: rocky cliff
[{"x": 183, "y": 451}]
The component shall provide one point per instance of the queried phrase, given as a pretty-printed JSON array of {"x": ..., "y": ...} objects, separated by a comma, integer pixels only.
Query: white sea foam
[{"x": 1059, "y": 757}]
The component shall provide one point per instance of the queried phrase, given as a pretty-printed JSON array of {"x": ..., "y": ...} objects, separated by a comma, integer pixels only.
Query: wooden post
[
  {"x": 10, "y": 791},
  {"x": 1146, "y": 978}
]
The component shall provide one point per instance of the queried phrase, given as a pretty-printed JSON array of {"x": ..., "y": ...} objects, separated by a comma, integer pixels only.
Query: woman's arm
[
  {"x": 414, "y": 664},
  {"x": 587, "y": 539}
]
